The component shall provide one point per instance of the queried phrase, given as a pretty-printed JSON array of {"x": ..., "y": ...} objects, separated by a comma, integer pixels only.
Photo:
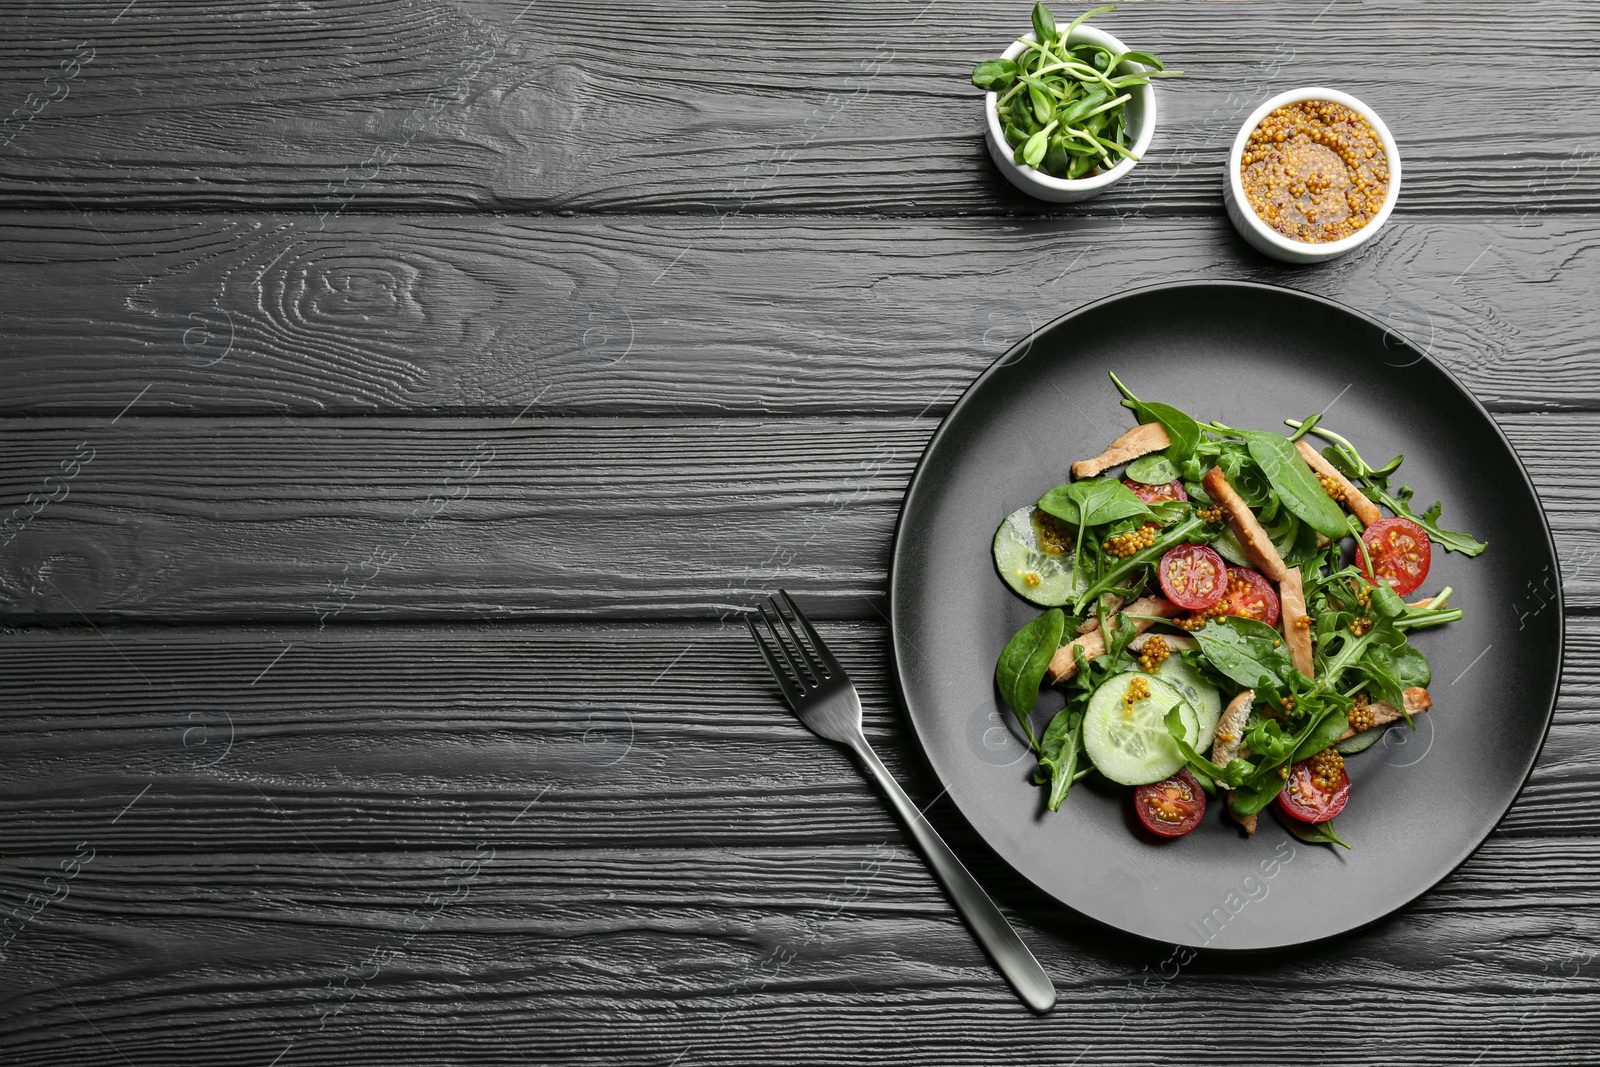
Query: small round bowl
[
  {"x": 1269, "y": 241},
  {"x": 1141, "y": 113}
]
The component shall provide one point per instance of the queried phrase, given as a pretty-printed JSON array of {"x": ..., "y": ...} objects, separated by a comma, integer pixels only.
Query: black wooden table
[{"x": 401, "y": 399}]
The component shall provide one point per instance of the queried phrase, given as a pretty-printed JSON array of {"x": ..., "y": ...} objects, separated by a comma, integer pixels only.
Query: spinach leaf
[
  {"x": 1059, "y": 749},
  {"x": 1153, "y": 470},
  {"x": 1396, "y": 663},
  {"x": 1197, "y": 660},
  {"x": 1304, "y": 549},
  {"x": 1360, "y": 742},
  {"x": 1294, "y": 482},
  {"x": 1385, "y": 601},
  {"x": 1166, "y": 512},
  {"x": 1023, "y": 664},
  {"x": 1182, "y": 430},
  {"x": 1325, "y": 733},
  {"x": 1411, "y": 667},
  {"x": 1255, "y": 794},
  {"x": 1315, "y": 833},
  {"x": 1093, "y": 502},
  {"x": 1246, "y": 650},
  {"x": 1248, "y": 481},
  {"x": 1382, "y": 672},
  {"x": 1267, "y": 740}
]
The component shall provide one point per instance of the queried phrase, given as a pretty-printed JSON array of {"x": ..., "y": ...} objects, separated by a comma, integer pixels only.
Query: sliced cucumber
[
  {"x": 1028, "y": 555},
  {"x": 1129, "y": 744},
  {"x": 1203, "y": 697}
]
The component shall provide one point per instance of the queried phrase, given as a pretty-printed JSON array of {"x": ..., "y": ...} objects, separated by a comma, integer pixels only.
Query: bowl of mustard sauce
[{"x": 1314, "y": 173}]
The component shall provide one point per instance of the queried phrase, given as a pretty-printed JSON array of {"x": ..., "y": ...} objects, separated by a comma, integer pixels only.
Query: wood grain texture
[
  {"x": 520, "y": 354},
  {"x": 339, "y": 520},
  {"x": 570, "y": 105},
  {"x": 388, "y": 737},
  {"x": 768, "y": 969},
  {"x": 690, "y": 317},
  {"x": 307, "y": 889}
]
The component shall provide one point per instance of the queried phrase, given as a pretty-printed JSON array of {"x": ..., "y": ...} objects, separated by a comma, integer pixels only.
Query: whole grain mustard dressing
[{"x": 1314, "y": 171}]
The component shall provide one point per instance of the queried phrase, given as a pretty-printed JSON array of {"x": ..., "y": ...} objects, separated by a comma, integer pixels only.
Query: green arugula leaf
[
  {"x": 1429, "y": 520},
  {"x": 1231, "y": 775},
  {"x": 1392, "y": 665},
  {"x": 1024, "y": 661},
  {"x": 1348, "y": 461}
]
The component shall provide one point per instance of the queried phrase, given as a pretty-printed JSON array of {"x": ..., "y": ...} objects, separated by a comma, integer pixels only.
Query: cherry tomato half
[
  {"x": 1317, "y": 788},
  {"x": 1193, "y": 577},
  {"x": 1171, "y": 808},
  {"x": 1151, "y": 493},
  {"x": 1250, "y": 596},
  {"x": 1400, "y": 552}
]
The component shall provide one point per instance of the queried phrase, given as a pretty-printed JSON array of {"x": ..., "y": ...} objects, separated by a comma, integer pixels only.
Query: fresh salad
[{"x": 1228, "y": 618}]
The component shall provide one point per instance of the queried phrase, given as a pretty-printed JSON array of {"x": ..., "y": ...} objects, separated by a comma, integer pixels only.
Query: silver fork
[{"x": 822, "y": 696}]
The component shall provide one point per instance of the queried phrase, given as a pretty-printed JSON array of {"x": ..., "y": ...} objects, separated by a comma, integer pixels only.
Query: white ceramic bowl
[
  {"x": 1269, "y": 241},
  {"x": 1141, "y": 118}
]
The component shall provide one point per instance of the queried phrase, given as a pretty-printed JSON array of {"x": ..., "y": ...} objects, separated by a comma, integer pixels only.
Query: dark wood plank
[
  {"x": 478, "y": 719},
  {"x": 729, "y": 878},
  {"x": 571, "y": 105},
  {"x": 349, "y": 519},
  {"x": 719, "y": 395},
  {"x": 692, "y": 317},
  {"x": 553, "y": 942}
]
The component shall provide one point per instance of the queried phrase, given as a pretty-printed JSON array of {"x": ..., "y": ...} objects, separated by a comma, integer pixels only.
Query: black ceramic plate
[{"x": 1249, "y": 355}]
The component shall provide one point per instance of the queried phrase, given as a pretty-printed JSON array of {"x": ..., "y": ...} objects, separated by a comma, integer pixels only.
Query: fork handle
[{"x": 990, "y": 927}]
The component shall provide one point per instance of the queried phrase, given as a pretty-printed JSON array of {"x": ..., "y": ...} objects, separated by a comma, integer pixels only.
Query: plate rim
[{"x": 897, "y": 548}]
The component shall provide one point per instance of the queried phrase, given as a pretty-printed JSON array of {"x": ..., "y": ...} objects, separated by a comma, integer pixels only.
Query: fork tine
[
  {"x": 790, "y": 693},
  {"x": 806, "y": 678},
  {"x": 834, "y": 668},
  {"x": 811, "y": 660}
]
